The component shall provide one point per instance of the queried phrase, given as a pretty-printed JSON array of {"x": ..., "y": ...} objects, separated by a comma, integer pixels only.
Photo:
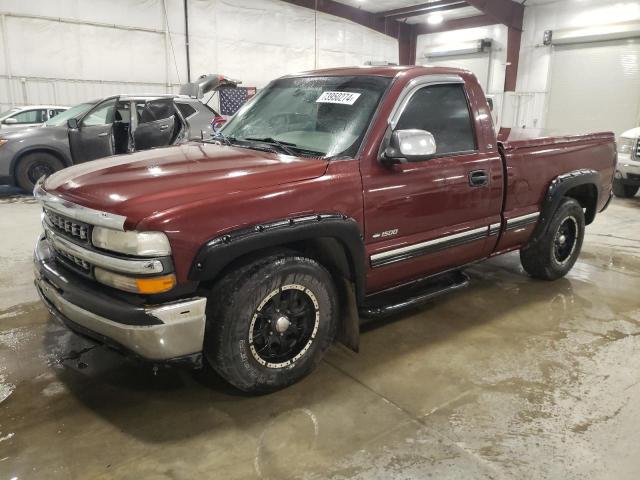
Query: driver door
[
  {"x": 431, "y": 215},
  {"x": 94, "y": 137}
]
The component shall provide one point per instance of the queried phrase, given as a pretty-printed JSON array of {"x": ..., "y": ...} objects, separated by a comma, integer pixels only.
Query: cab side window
[
  {"x": 103, "y": 114},
  {"x": 442, "y": 110},
  {"x": 30, "y": 116}
]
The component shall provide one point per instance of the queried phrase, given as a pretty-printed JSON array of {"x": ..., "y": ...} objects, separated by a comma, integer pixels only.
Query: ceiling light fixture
[{"x": 435, "y": 19}]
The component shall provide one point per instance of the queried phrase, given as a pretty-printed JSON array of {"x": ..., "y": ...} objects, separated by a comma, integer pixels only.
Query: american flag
[{"x": 231, "y": 99}]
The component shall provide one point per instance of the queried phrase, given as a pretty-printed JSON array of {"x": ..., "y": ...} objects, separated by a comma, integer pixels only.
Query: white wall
[
  {"x": 497, "y": 57},
  {"x": 527, "y": 107},
  {"x": 535, "y": 59},
  {"x": 100, "y": 47}
]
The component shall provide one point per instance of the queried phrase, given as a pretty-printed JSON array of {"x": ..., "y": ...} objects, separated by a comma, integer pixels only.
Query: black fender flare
[
  {"x": 558, "y": 189},
  {"x": 221, "y": 251},
  {"x": 66, "y": 160}
]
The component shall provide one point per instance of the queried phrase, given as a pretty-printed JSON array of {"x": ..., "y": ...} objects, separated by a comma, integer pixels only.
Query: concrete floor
[{"x": 510, "y": 378}]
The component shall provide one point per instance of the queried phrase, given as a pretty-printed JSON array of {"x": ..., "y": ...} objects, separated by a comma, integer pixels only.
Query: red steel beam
[
  {"x": 423, "y": 8},
  {"x": 455, "y": 24},
  {"x": 356, "y": 15},
  {"x": 407, "y": 40},
  {"x": 514, "y": 38}
]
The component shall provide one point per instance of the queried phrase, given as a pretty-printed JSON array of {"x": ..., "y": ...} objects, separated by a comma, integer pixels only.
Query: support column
[{"x": 407, "y": 38}]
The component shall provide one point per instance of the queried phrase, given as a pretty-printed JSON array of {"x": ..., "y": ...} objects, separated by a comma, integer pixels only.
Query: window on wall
[{"x": 443, "y": 111}]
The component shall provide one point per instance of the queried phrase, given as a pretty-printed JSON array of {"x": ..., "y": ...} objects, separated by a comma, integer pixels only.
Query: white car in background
[
  {"x": 33, "y": 115},
  {"x": 627, "y": 179}
]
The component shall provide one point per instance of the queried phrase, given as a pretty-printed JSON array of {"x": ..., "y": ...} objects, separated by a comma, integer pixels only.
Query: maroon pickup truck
[{"x": 333, "y": 195}]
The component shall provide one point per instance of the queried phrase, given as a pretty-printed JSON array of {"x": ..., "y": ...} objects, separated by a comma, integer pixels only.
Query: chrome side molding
[
  {"x": 522, "y": 221},
  {"x": 449, "y": 241}
]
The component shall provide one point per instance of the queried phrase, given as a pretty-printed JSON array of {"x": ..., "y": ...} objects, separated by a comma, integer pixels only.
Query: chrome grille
[
  {"x": 73, "y": 261},
  {"x": 636, "y": 151},
  {"x": 68, "y": 227}
]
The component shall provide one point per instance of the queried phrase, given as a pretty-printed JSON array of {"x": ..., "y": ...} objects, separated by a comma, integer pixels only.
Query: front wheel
[
  {"x": 34, "y": 166},
  {"x": 624, "y": 191},
  {"x": 270, "y": 322},
  {"x": 553, "y": 254}
]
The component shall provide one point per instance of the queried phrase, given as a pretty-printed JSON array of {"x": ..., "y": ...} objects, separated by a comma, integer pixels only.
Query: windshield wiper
[
  {"x": 220, "y": 137},
  {"x": 283, "y": 146}
]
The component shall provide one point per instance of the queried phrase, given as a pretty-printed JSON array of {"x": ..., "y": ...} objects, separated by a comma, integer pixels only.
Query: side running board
[{"x": 413, "y": 295}]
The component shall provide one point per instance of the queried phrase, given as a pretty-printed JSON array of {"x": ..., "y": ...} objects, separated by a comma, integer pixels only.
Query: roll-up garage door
[
  {"x": 478, "y": 63},
  {"x": 595, "y": 87}
]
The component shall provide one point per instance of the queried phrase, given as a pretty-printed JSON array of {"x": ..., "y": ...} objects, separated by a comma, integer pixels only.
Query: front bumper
[
  {"x": 628, "y": 170},
  {"x": 167, "y": 332}
]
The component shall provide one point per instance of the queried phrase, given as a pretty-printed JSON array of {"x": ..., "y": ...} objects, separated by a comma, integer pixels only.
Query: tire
[
  {"x": 249, "y": 343},
  {"x": 624, "y": 191},
  {"x": 553, "y": 254},
  {"x": 33, "y": 166}
]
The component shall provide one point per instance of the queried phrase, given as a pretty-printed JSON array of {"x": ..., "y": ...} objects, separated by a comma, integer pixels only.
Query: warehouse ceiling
[{"x": 458, "y": 9}]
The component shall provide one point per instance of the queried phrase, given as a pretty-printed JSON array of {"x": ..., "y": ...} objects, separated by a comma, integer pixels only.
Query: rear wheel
[
  {"x": 34, "y": 166},
  {"x": 270, "y": 322},
  {"x": 624, "y": 191},
  {"x": 553, "y": 254}
]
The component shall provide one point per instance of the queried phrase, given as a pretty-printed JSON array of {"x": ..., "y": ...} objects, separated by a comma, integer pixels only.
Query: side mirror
[
  {"x": 409, "y": 146},
  {"x": 10, "y": 121},
  {"x": 72, "y": 123}
]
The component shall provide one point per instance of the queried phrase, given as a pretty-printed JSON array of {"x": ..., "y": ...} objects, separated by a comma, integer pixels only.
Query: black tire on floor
[
  {"x": 35, "y": 165},
  {"x": 257, "y": 311},
  {"x": 624, "y": 191},
  {"x": 553, "y": 254}
]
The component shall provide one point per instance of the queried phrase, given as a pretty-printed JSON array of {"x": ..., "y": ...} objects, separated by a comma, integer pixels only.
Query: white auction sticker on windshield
[{"x": 342, "y": 98}]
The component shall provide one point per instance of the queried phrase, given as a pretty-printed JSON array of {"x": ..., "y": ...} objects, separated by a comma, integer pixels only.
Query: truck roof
[{"x": 383, "y": 71}]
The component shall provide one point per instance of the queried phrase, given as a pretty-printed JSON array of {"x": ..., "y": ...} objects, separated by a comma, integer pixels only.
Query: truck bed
[{"x": 533, "y": 157}]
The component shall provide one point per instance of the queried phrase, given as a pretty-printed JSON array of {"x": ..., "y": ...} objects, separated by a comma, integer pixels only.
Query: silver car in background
[
  {"x": 31, "y": 116},
  {"x": 108, "y": 126}
]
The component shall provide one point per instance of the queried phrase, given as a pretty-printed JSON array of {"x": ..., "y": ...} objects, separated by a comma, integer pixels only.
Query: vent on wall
[
  {"x": 464, "y": 48},
  {"x": 597, "y": 33}
]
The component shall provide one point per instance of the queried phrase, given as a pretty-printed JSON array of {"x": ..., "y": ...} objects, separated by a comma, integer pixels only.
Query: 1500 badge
[{"x": 386, "y": 233}]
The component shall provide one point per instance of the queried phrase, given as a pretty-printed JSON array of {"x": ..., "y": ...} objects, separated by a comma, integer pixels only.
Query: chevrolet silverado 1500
[{"x": 332, "y": 195}]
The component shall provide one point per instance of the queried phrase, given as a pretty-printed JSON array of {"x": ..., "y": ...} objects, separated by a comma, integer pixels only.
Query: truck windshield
[
  {"x": 62, "y": 117},
  {"x": 315, "y": 116}
]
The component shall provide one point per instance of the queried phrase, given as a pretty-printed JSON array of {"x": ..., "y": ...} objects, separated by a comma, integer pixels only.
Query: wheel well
[
  {"x": 56, "y": 154},
  {"x": 587, "y": 197},
  {"x": 327, "y": 251},
  {"x": 333, "y": 255}
]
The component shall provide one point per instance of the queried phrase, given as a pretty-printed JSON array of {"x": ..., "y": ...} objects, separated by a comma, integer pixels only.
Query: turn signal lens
[
  {"x": 156, "y": 284},
  {"x": 145, "y": 285}
]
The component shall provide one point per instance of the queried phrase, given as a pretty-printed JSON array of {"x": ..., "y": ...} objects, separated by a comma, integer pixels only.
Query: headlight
[
  {"x": 143, "y": 244},
  {"x": 625, "y": 145},
  {"x": 145, "y": 285}
]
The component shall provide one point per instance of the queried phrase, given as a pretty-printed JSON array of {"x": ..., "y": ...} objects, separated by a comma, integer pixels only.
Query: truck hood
[
  {"x": 633, "y": 133},
  {"x": 142, "y": 184}
]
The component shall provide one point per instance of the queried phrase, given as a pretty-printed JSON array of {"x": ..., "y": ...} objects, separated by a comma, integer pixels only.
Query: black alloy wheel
[
  {"x": 564, "y": 242},
  {"x": 284, "y": 326}
]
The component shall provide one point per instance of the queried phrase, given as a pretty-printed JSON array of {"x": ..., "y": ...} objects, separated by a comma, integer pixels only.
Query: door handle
[
  {"x": 164, "y": 127},
  {"x": 478, "y": 178},
  {"x": 103, "y": 134}
]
